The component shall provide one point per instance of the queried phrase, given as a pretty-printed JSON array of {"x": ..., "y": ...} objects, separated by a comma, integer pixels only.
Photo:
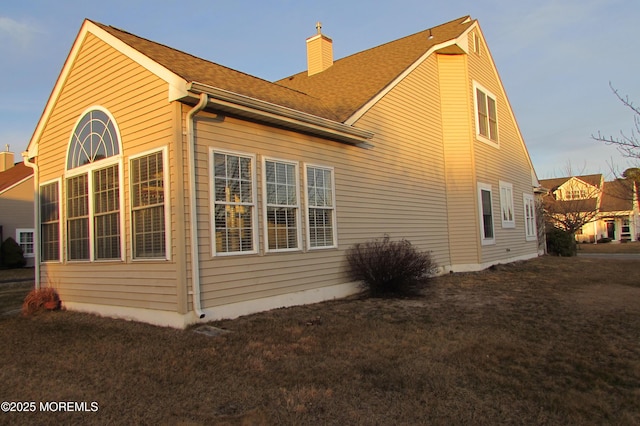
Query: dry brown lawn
[
  {"x": 549, "y": 341},
  {"x": 630, "y": 247}
]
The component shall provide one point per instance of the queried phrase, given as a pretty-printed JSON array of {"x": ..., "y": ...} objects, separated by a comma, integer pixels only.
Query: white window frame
[
  {"x": 334, "y": 221},
  {"x": 253, "y": 204},
  {"x": 88, "y": 170},
  {"x": 531, "y": 233},
  {"x": 483, "y": 239},
  {"x": 506, "y": 204},
  {"x": 61, "y": 236},
  {"x": 486, "y": 139},
  {"x": 19, "y": 233},
  {"x": 266, "y": 205},
  {"x": 167, "y": 208}
]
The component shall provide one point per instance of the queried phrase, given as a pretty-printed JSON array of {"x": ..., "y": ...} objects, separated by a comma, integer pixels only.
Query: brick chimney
[
  {"x": 6, "y": 159},
  {"x": 319, "y": 52}
]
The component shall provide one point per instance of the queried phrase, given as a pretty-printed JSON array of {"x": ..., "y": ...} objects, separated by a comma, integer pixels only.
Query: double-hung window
[
  {"x": 234, "y": 203},
  {"x": 24, "y": 237},
  {"x": 282, "y": 205},
  {"x": 486, "y": 214},
  {"x": 92, "y": 188},
  {"x": 50, "y": 222},
  {"x": 486, "y": 115},
  {"x": 506, "y": 205},
  {"x": 529, "y": 217},
  {"x": 321, "y": 215},
  {"x": 148, "y": 216}
]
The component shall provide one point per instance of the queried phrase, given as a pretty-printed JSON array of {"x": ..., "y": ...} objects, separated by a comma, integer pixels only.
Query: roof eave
[{"x": 260, "y": 110}]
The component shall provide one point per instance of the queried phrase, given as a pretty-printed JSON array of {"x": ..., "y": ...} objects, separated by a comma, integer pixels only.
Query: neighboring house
[
  {"x": 16, "y": 204},
  {"x": 172, "y": 187},
  {"x": 613, "y": 205}
]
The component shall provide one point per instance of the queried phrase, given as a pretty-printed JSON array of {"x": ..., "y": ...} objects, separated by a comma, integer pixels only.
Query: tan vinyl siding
[
  {"x": 459, "y": 162},
  {"x": 396, "y": 188},
  {"x": 16, "y": 209},
  {"x": 508, "y": 163},
  {"x": 137, "y": 99}
]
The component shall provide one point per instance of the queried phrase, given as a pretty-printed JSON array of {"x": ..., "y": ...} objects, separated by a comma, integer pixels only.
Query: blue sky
[{"x": 555, "y": 57}]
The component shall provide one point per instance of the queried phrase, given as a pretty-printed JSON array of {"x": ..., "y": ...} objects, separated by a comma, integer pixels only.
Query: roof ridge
[
  {"x": 182, "y": 52},
  {"x": 362, "y": 52}
]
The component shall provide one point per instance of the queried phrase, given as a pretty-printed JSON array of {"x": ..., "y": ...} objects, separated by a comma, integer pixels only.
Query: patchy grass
[
  {"x": 549, "y": 341},
  {"x": 630, "y": 247}
]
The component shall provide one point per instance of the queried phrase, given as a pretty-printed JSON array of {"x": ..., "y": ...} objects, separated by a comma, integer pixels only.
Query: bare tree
[
  {"x": 573, "y": 207},
  {"x": 627, "y": 143}
]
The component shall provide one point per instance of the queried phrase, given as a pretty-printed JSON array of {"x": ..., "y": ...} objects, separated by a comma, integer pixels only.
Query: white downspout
[
  {"x": 193, "y": 219},
  {"x": 36, "y": 216}
]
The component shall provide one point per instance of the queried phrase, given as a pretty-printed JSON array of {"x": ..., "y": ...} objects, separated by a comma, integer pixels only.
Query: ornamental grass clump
[
  {"x": 41, "y": 300},
  {"x": 389, "y": 268}
]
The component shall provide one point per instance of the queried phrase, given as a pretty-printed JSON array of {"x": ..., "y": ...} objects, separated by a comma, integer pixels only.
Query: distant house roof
[
  {"x": 14, "y": 175},
  {"x": 554, "y": 183},
  {"x": 617, "y": 196},
  {"x": 335, "y": 94}
]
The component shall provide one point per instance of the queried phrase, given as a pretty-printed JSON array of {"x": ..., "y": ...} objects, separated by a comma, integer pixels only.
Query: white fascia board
[
  {"x": 177, "y": 85},
  {"x": 285, "y": 116}
]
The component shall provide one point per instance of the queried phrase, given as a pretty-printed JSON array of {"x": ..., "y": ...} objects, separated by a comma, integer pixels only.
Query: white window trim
[
  {"x": 506, "y": 203},
  {"x": 334, "y": 225},
  {"x": 61, "y": 236},
  {"x": 486, "y": 241},
  {"x": 75, "y": 126},
  {"x": 482, "y": 138},
  {"x": 533, "y": 236},
  {"x": 88, "y": 169},
  {"x": 265, "y": 206},
  {"x": 32, "y": 231},
  {"x": 167, "y": 209},
  {"x": 254, "y": 204}
]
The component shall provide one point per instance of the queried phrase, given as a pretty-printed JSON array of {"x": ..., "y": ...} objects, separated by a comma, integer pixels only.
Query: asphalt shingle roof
[
  {"x": 334, "y": 94},
  {"x": 14, "y": 175}
]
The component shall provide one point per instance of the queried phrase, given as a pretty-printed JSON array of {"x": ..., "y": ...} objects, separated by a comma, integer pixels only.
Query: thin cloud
[{"x": 17, "y": 34}]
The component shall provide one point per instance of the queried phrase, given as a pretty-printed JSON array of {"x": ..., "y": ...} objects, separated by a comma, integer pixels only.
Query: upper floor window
[
  {"x": 93, "y": 188},
  {"x": 486, "y": 115}
]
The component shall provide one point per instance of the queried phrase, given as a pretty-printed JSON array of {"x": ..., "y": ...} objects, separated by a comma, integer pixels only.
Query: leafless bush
[{"x": 387, "y": 268}]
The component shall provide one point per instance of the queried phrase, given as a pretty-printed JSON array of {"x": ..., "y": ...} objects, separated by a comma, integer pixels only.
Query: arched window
[
  {"x": 93, "y": 189},
  {"x": 94, "y": 138}
]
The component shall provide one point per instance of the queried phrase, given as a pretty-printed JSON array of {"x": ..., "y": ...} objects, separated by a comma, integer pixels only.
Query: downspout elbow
[
  {"x": 36, "y": 216},
  {"x": 193, "y": 220}
]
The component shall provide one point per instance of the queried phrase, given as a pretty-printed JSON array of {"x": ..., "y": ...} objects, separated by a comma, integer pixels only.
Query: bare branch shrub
[{"x": 388, "y": 268}]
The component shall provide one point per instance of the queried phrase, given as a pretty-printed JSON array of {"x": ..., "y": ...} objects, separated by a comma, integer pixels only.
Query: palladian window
[{"x": 92, "y": 189}]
